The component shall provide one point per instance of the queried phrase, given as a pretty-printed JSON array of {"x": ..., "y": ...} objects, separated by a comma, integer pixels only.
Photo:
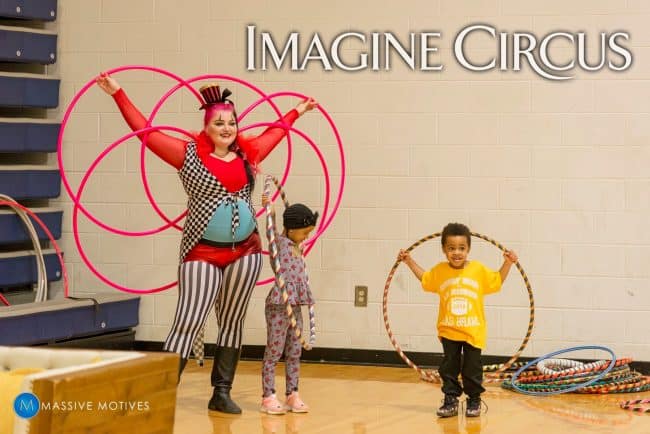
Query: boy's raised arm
[
  {"x": 405, "y": 257},
  {"x": 509, "y": 258}
]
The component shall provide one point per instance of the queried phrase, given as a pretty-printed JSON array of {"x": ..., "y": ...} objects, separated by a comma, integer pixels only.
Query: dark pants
[{"x": 469, "y": 366}]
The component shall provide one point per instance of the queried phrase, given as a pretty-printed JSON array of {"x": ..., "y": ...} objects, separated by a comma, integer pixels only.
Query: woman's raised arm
[
  {"x": 169, "y": 149},
  {"x": 257, "y": 148}
]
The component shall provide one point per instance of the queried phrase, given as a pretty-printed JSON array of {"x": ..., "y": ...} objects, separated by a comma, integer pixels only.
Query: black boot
[{"x": 223, "y": 374}]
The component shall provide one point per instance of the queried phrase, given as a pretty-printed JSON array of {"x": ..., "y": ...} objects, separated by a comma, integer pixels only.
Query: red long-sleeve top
[{"x": 231, "y": 174}]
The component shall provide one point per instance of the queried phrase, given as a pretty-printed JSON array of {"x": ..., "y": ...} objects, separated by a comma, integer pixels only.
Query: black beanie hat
[{"x": 298, "y": 216}]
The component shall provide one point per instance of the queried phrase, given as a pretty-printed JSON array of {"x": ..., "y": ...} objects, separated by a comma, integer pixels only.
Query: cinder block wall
[{"x": 556, "y": 170}]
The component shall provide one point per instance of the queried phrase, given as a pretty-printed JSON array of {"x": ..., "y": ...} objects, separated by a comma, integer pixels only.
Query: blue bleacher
[
  {"x": 12, "y": 229},
  {"x": 24, "y": 45},
  {"x": 28, "y": 90},
  {"x": 18, "y": 268},
  {"x": 42, "y": 10},
  {"x": 61, "y": 319},
  {"x": 30, "y": 181},
  {"x": 28, "y": 135}
]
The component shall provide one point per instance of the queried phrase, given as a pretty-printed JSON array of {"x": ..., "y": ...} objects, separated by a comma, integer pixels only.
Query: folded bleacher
[{"x": 28, "y": 133}]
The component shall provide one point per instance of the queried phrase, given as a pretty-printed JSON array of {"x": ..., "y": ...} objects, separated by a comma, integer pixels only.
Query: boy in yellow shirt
[{"x": 461, "y": 285}]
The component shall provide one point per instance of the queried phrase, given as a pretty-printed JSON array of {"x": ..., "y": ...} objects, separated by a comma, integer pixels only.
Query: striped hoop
[
  {"x": 275, "y": 265},
  {"x": 432, "y": 375}
]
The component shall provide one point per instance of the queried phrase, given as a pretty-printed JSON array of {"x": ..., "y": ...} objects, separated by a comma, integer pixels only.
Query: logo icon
[{"x": 26, "y": 405}]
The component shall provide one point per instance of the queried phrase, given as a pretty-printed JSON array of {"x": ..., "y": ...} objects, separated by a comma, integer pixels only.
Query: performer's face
[
  {"x": 222, "y": 128},
  {"x": 456, "y": 249}
]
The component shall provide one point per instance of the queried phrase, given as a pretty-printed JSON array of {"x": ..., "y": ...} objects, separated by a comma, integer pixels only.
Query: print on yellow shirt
[{"x": 461, "y": 316}]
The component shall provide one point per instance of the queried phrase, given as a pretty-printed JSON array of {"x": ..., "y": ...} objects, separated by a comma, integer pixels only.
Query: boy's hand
[
  {"x": 510, "y": 256},
  {"x": 404, "y": 256}
]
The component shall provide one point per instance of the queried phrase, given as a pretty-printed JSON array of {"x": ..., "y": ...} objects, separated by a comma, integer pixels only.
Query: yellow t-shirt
[{"x": 461, "y": 316}]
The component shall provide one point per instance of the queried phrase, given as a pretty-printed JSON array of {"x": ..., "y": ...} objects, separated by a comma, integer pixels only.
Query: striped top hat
[{"x": 212, "y": 94}]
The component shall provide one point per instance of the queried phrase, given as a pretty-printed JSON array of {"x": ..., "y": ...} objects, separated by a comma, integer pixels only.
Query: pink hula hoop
[{"x": 325, "y": 221}]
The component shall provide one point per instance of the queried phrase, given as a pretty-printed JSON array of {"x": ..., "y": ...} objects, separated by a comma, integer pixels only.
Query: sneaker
[
  {"x": 449, "y": 407},
  {"x": 473, "y": 406},
  {"x": 271, "y": 405},
  {"x": 295, "y": 404}
]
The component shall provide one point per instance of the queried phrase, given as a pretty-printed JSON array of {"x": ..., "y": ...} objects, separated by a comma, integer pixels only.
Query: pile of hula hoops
[{"x": 550, "y": 376}]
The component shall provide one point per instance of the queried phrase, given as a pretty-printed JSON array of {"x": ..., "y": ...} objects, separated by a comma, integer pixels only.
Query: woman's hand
[
  {"x": 107, "y": 83},
  {"x": 306, "y": 105}
]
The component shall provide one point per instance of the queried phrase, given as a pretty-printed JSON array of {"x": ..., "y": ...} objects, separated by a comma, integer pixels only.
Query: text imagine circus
[{"x": 512, "y": 50}]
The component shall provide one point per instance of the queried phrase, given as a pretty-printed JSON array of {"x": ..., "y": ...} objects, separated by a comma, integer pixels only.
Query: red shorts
[{"x": 223, "y": 256}]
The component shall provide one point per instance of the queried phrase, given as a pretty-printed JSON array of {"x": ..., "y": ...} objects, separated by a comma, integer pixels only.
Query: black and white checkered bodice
[{"x": 205, "y": 193}]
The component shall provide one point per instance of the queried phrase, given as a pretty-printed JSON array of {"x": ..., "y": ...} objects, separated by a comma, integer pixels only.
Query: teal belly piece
[{"x": 219, "y": 227}]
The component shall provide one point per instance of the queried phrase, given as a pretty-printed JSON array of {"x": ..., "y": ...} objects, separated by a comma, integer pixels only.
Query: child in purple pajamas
[{"x": 298, "y": 221}]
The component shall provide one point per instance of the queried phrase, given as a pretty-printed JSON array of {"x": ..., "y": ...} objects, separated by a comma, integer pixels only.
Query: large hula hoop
[
  {"x": 433, "y": 376},
  {"x": 275, "y": 266}
]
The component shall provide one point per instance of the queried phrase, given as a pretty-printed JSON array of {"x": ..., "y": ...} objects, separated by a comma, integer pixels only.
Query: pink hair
[{"x": 213, "y": 108}]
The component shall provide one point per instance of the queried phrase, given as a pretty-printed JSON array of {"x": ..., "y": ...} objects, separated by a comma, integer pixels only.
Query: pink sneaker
[
  {"x": 271, "y": 405},
  {"x": 295, "y": 404}
]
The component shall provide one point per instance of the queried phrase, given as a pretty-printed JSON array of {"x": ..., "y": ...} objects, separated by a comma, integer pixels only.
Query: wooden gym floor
[{"x": 375, "y": 400}]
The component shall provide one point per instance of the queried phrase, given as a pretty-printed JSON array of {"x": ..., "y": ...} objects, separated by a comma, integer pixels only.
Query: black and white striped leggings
[{"x": 203, "y": 285}]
